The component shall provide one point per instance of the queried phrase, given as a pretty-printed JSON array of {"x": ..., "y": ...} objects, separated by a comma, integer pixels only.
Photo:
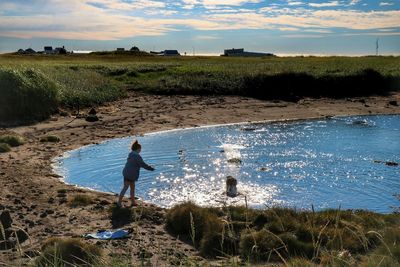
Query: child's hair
[{"x": 136, "y": 146}]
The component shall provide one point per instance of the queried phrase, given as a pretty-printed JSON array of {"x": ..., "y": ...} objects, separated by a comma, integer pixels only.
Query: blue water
[{"x": 326, "y": 163}]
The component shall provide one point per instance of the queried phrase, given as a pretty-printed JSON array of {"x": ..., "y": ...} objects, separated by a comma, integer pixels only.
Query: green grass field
[{"x": 39, "y": 85}]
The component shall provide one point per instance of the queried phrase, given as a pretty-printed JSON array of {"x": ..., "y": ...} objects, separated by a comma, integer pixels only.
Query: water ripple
[{"x": 325, "y": 163}]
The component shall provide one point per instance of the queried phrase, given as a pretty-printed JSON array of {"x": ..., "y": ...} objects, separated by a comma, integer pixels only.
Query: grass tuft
[
  {"x": 202, "y": 227},
  {"x": 80, "y": 201},
  {"x": 68, "y": 252},
  {"x": 12, "y": 140},
  {"x": 4, "y": 148},
  {"x": 50, "y": 138},
  {"x": 189, "y": 220}
]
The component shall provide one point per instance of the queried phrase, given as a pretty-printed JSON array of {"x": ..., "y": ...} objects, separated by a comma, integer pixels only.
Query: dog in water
[{"x": 231, "y": 190}]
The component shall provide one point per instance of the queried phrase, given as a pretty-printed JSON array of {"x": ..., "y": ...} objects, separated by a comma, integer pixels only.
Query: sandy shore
[{"x": 34, "y": 194}]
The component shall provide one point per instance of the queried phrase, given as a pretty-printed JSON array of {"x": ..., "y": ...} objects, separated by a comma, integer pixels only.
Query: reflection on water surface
[{"x": 327, "y": 163}]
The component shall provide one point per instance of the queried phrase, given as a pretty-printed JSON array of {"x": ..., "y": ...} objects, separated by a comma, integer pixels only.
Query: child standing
[{"x": 131, "y": 172}]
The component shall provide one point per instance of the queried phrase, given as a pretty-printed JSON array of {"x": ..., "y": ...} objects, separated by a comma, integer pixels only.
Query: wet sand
[{"x": 35, "y": 196}]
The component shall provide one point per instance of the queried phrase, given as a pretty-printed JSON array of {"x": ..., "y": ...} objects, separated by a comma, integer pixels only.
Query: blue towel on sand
[{"x": 106, "y": 235}]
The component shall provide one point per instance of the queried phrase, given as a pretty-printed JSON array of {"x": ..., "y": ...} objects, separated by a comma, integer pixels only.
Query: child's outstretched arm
[{"x": 144, "y": 165}]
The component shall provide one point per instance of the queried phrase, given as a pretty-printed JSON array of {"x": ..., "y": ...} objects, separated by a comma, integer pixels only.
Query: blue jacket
[{"x": 132, "y": 167}]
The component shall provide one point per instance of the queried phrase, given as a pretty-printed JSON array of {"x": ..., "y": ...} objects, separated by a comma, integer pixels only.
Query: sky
[{"x": 282, "y": 27}]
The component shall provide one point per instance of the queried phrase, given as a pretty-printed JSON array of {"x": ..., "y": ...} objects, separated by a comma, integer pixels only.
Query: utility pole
[{"x": 377, "y": 46}]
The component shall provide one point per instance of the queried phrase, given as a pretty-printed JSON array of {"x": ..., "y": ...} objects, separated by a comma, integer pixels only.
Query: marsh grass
[
  {"x": 84, "y": 87},
  {"x": 288, "y": 236},
  {"x": 26, "y": 95},
  {"x": 32, "y": 88}
]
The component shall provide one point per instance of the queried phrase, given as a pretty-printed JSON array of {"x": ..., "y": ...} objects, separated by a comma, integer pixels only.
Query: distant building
[
  {"x": 239, "y": 52},
  {"x": 26, "y": 51},
  {"x": 30, "y": 51},
  {"x": 233, "y": 51},
  {"x": 48, "y": 50},
  {"x": 171, "y": 53},
  {"x": 166, "y": 53},
  {"x": 60, "y": 50},
  {"x": 121, "y": 49}
]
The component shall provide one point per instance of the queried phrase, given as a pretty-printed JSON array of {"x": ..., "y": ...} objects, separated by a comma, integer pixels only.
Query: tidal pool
[{"x": 332, "y": 163}]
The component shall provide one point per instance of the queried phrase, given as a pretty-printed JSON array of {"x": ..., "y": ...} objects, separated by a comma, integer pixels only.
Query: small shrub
[
  {"x": 4, "y": 148},
  {"x": 12, "y": 140},
  {"x": 80, "y": 200},
  {"x": 68, "y": 252},
  {"x": 50, "y": 138}
]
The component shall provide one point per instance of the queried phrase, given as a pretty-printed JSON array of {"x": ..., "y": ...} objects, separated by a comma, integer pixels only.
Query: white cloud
[
  {"x": 228, "y": 2},
  {"x": 288, "y": 29},
  {"x": 386, "y": 4},
  {"x": 75, "y": 19},
  {"x": 327, "y": 4},
  {"x": 354, "y": 2},
  {"x": 212, "y": 4},
  {"x": 191, "y": 2},
  {"x": 348, "y": 19},
  {"x": 317, "y": 31},
  {"x": 161, "y": 12},
  {"x": 373, "y": 34},
  {"x": 295, "y": 3},
  {"x": 128, "y": 5}
]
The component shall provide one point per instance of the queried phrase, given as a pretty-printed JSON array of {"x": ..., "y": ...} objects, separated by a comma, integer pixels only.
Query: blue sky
[{"x": 342, "y": 27}]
